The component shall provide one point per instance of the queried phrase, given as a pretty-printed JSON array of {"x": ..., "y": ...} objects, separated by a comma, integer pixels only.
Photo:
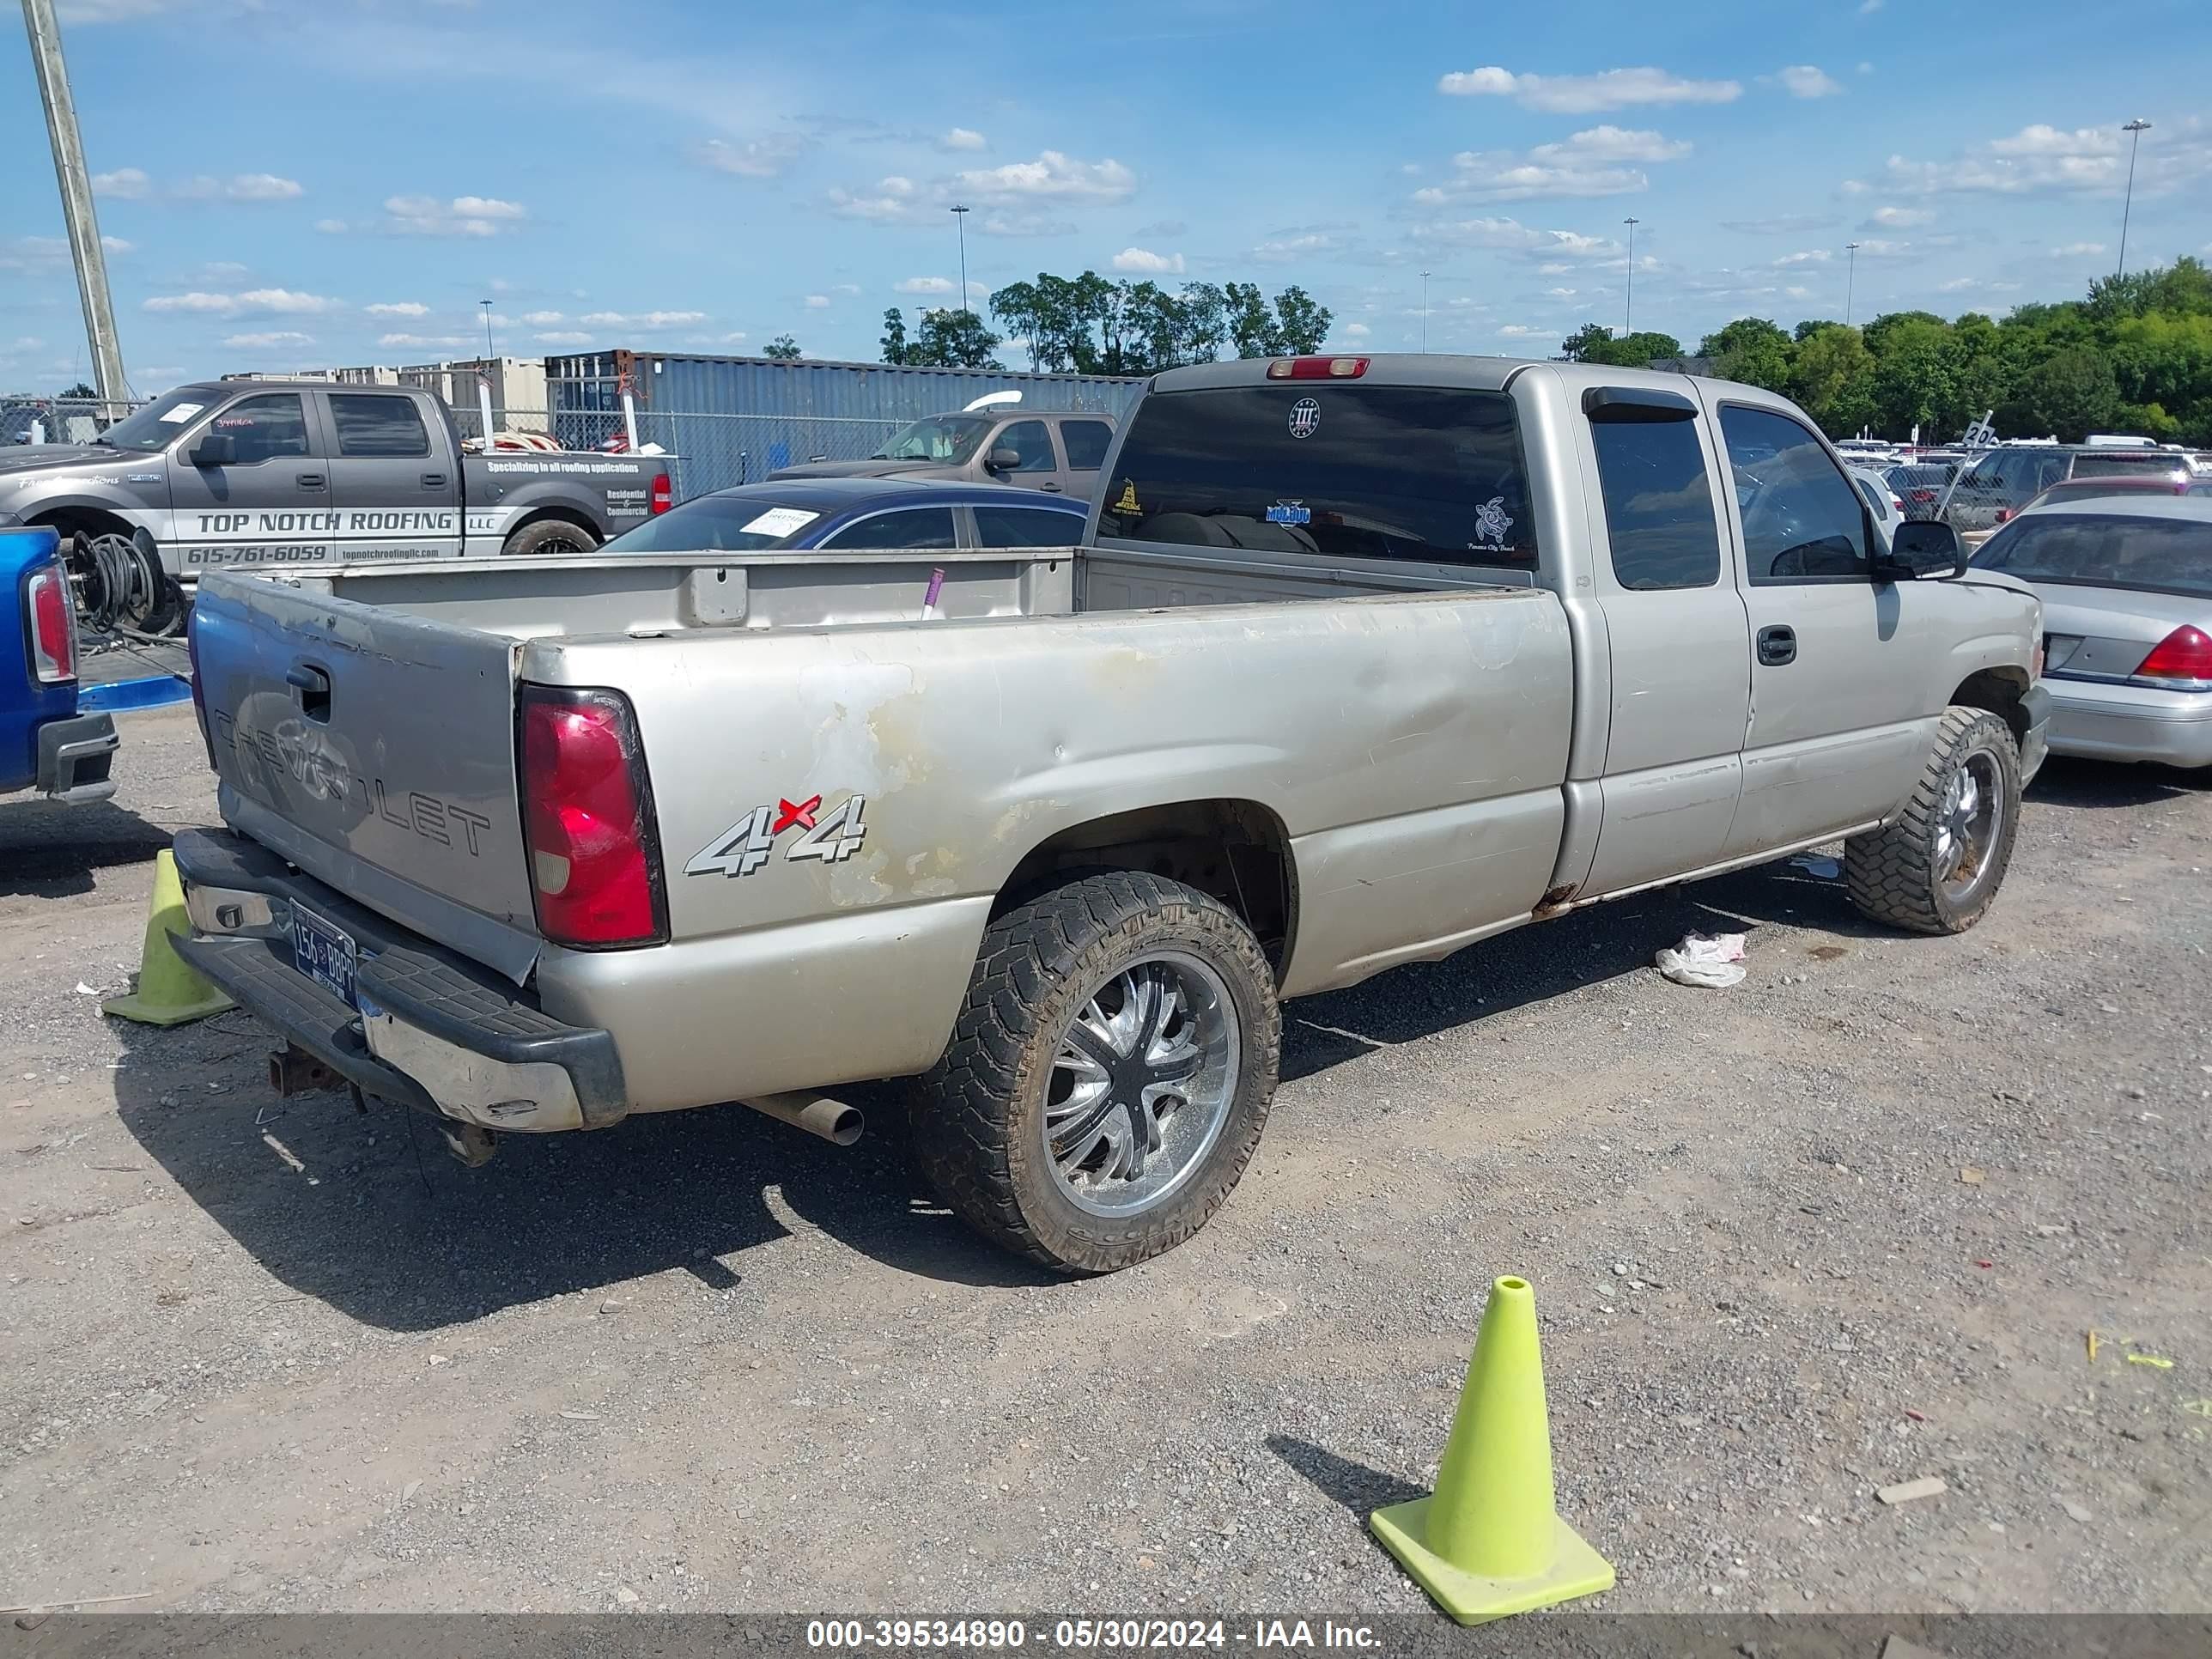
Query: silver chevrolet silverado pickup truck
[{"x": 1363, "y": 660}]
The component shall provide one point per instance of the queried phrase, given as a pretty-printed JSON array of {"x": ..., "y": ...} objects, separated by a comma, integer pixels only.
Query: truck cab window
[
  {"x": 1429, "y": 475},
  {"x": 1658, "y": 501},
  {"x": 268, "y": 428},
  {"x": 1087, "y": 443},
  {"x": 374, "y": 426},
  {"x": 1026, "y": 526},
  {"x": 1803, "y": 520}
]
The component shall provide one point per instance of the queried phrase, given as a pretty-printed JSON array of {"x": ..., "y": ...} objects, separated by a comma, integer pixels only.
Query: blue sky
[{"x": 299, "y": 183}]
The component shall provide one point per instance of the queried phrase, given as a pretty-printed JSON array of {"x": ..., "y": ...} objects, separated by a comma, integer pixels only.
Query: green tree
[
  {"x": 1201, "y": 323},
  {"x": 1915, "y": 379},
  {"x": 1636, "y": 351},
  {"x": 1588, "y": 343},
  {"x": 2070, "y": 395},
  {"x": 1751, "y": 350},
  {"x": 782, "y": 350},
  {"x": 1301, "y": 324},
  {"x": 894, "y": 341},
  {"x": 81, "y": 389},
  {"x": 1832, "y": 378},
  {"x": 1253, "y": 330},
  {"x": 951, "y": 338}
]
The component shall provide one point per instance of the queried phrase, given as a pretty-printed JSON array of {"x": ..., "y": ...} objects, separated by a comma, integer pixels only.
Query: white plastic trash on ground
[{"x": 1714, "y": 961}]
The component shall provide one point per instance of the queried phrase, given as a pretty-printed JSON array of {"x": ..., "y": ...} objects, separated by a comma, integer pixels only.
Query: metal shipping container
[{"x": 733, "y": 420}]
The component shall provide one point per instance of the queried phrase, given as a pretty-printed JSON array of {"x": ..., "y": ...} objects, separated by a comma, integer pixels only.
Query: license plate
[{"x": 324, "y": 952}]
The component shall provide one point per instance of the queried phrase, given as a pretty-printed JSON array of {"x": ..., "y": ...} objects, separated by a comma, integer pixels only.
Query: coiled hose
[{"x": 122, "y": 590}]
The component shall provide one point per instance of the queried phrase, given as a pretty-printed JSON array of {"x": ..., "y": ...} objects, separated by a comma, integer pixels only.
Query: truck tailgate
[{"x": 376, "y": 750}]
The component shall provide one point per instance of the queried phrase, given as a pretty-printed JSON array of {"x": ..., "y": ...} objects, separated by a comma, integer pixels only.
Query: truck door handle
[
  {"x": 1053, "y": 486},
  {"x": 311, "y": 480},
  {"x": 1776, "y": 646},
  {"x": 313, "y": 685},
  {"x": 433, "y": 481}
]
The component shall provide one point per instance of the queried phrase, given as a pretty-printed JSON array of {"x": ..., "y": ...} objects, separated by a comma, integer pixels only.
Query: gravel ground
[{"x": 1846, "y": 1225}]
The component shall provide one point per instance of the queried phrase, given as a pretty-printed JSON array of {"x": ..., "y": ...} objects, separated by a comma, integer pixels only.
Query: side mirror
[
  {"x": 1004, "y": 458},
  {"x": 1920, "y": 548},
  {"x": 215, "y": 449}
]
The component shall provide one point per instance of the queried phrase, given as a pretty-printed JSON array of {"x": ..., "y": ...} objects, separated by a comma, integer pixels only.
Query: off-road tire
[
  {"x": 1891, "y": 874},
  {"x": 977, "y": 1132},
  {"x": 550, "y": 535}
]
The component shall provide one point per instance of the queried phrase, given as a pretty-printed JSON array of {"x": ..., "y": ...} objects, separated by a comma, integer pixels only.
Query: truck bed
[{"x": 1410, "y": 747}]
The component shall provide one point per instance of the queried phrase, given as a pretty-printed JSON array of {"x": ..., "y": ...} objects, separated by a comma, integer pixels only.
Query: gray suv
[
  {"x": 2004, "y": 480},
  {"x": 1059, "y": 450}
]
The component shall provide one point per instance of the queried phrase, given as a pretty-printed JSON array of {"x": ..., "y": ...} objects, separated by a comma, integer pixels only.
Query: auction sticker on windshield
[{"x": 780, "y": 521}]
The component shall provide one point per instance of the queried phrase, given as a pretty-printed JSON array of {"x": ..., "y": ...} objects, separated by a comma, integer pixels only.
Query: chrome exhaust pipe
[{"x": 819, "y": 1114}]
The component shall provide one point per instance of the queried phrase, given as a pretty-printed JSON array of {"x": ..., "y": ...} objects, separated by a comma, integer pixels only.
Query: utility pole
[
  {"x": 1851, "y": 280},
  {"x": 486, "y": 304},
  {"x": 1628, "y": 320},
  {"x": 1424, "y": 313},
  {"x": 960, "y": 224},
  {"x": 2136, "y": 128},
  {"x": 82, "y": 226}
]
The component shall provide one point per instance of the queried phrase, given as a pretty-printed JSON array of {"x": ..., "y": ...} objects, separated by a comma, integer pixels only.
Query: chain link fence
[{"x": 33, "y": 417}]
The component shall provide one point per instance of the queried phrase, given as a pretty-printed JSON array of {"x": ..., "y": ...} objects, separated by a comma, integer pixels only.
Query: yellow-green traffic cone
[
  {"x": 170, "y": 991},
  {"x": 1489, "y": 1542}
]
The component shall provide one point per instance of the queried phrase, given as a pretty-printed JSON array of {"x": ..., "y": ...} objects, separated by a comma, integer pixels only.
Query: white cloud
[
  {"x": 2043, "y": 160},
  {"x": 1868, "y": 7},
  {"x": 117, "y": 245},
  {"x": 1288, "y": 248},
  {"x": 1811, "y": 256},
  {"x": 542, "y": 319},
  {"x": 1584, "y": 95},
  {"x": 1805, "y": 81},
  {"x": 962, "y": 138},
  {"x": 1957, "y": 285},
  {"x": 260, "y": 301},
  {"x": 2077, "y": 250},
  {"x": 1588, "y": 163},
  {"x": 124, "y": 184},
  {"x": 331, "y": 226},
  {"x": 427, "y": 342},
  {"x": 845, "y": 288},
  {"x": 1025, "y": 224},
  {"x": 754, "y": 158},
  {"x": 890, "y": 202},
  {"x": 736, "y": 337},
  {"x": 818, "y": 302},
  {"x": 1145, "y": 260},
  {"x": 1357, "y": 331},
  {"x": 398, "y": 308},
  {"x": 1511, "y": 236},
  {"x": 924, "y": 285},
  {"x": 1898, "y": 218},
  {"x": 261, "y": 187},
  {"x": 563, "y": 336},
  {"x": 267, "y": 342},
  {"x": 1053, "y": 177},
  {"x": 464, "y": 216},
  {"x": 640, "y": 319},
  {"x": 1520, "y": 331},
  {"x": 1866, "y": 69}
]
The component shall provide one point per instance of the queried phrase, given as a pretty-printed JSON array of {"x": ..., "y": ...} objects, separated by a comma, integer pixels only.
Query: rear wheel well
[
  {"x": 554, "y": 514},
  {"x": 1236, "y": 851},
  {"x": 1999, "y": 690},
  {"x": 83, "y": 521}
]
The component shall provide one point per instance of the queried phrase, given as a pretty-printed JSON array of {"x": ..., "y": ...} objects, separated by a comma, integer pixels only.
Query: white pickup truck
[{"x": 1363, "y": 661}]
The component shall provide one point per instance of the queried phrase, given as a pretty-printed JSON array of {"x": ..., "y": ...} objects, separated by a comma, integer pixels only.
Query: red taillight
[
  {"x": 2182, "y": 661},
  {"x": 2004, "y": 515},
  {"x": 1316, "y": 368},
  {"x": 1923, "y": 494},
  {"x": 664, "y": 492},
  {"x": 588, "y": 816},
  {"x": 52, "y": 625}
]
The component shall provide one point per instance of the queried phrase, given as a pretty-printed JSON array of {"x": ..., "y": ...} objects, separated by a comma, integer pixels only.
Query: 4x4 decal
[{"x": 751, "y": 842}]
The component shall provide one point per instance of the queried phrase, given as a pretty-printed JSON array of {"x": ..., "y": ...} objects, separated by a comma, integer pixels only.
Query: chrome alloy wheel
[
  {"x": 1141, "y": 1084},
  {"x": 1969, "y": 826}
]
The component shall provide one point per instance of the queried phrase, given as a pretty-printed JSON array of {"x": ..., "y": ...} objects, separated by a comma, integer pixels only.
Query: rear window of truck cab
[{"x": 1429, "y": 474}]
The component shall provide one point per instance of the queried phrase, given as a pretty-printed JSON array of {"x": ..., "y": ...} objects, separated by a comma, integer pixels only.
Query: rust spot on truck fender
[{"x": 1557, "y": 903}]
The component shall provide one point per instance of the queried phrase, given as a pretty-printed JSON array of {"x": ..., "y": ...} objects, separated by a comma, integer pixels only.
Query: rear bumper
[
  {"x": 432, "y": 1030},
  {"x": 2130, "y": 723},
  {"x": 2035, "y": 743},
  {"x": 75, "y": 756}
]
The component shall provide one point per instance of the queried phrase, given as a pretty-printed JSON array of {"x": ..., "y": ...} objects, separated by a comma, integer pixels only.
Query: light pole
[
  {"x": 78, "y": 219},
  {"x": 960, "y": 226},
  {"x": 486, "y": 304},
  {"x": 1851, "y": 279},
  {"x": 1628, "y": 318},
  {"x": 2135, "y": 128},
  {"x": 1424, "y": 313}
]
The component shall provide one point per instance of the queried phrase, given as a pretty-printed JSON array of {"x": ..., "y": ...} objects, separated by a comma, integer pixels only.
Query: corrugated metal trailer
[{"x": 731, "y": 420}]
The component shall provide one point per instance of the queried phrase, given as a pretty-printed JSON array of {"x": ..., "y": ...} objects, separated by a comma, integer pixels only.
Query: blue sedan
[{"x": 835, "y": 514}]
